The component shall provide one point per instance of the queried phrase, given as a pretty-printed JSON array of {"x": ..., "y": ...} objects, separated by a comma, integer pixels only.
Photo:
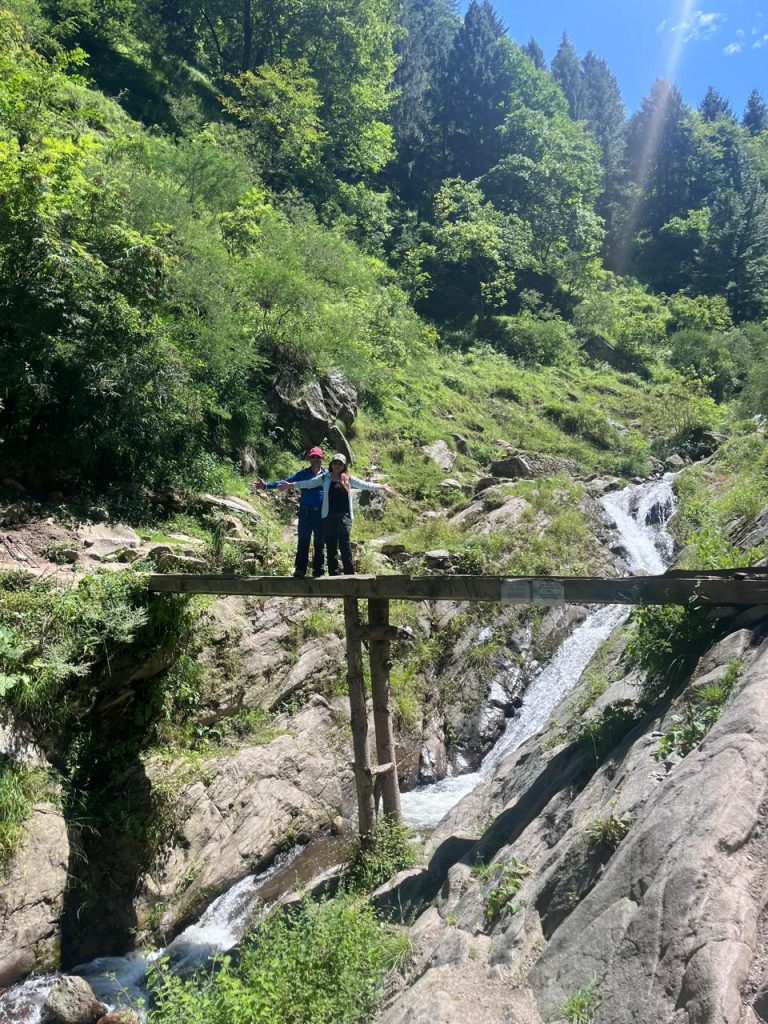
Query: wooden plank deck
[{"x": 735, "y": 587}]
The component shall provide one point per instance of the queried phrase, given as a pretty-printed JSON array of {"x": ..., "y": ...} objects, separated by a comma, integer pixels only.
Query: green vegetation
[
  {"x": 390, "y": 850},
  {"x": 323, "y": 963},
  {"x": 666, "y": 642},
  {"x": 20, "y": 788},
  {"x": 580, "y": 1008},
  {"x": 703, "y": 707},
  {"x": 508, "y": 879},
  {"x": 609, "y": 830}
]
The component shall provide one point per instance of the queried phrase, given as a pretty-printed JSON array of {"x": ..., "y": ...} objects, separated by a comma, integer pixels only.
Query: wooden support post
[
  {"x": 366, "y": 811},
  {"x": 378, "y": 620}
]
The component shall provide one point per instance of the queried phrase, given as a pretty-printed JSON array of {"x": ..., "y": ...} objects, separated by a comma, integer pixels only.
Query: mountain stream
[{"x": 639, "y": 514}]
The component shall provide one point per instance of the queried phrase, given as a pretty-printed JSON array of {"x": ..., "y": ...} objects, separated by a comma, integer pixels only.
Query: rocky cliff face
[{"x": 629, "y": 890}]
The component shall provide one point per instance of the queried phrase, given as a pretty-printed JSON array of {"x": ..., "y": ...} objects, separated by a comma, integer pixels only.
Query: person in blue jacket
[
  {"x": 335, "y": 487},
  {"x": 310, "y": 519}
]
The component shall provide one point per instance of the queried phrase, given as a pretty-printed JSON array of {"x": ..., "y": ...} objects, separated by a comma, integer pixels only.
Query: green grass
[
  {"x": 20, "y": 788},
  {"x": 580, "y": 1008}
]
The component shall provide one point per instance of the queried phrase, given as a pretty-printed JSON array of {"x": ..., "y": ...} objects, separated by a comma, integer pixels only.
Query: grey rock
[
  {"x": 181, "y": 563},
  {"x": 753, "y": 534},
  {"x": 671, "y": 928},
  {"x": 462, "y": 445},
  {"x": 733, "y": 647},
  {"x": 315, "y": 407},
  {"x": 236, "y": 817},
  {"x": 484, "y": 483},
  {"x": 103, "y": 539},
  {"x": 246, "y": 456},
  {"x": 72, "y": 1001},
  {"x": 340, "y": 443},
  {"x": 451, "y": 484},
  {"x": 674, "y": 461},
  {"x": 32, "y": 896},
  {"x": 531, "y": 464},
  {"x": 440, "y": 453},
  {"x": 230, "y": 503},
  {"x": 439, "y": 559}
]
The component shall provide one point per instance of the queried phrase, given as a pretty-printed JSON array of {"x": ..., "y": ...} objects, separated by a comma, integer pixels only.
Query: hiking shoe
[{"x": 299, "y": 575}]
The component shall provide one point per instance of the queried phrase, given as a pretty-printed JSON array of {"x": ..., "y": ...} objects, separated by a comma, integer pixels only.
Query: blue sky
[{"x": 723, "y": 43}]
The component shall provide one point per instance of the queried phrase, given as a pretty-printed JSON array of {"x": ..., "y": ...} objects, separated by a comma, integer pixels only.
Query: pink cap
[{"x": 316, "y": 451}]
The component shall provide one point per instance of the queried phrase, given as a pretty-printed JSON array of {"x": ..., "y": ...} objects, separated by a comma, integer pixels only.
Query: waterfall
[
  {"x": 121, "y": 981},
  {"x": 640, "y": 514}
]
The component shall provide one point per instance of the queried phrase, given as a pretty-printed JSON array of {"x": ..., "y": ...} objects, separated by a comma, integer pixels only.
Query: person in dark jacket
[
  {"x": 335, "y": 487},
  {"x": 310, "y": 518}
]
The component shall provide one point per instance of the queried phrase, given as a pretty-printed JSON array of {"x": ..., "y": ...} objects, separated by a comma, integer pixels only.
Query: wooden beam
[
  {"x": 366, "y": 810},
  {"x": 378, "y": 618},
  {"x": 725, "y": 587}
]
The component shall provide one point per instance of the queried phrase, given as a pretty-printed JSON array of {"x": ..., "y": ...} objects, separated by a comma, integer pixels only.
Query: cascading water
[
  {"x": 640, "y": 514},
  {"x": 121, "y": 981}
]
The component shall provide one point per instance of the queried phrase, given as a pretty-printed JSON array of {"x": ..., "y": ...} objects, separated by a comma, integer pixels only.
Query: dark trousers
[
  {"x": 310, "y": 529},
  {"x": 336, "y": 527}
]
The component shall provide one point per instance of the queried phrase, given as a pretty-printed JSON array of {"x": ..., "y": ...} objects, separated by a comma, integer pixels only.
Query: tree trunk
[
  {"x": 366, "y": 812},
  {"x": 378, "y": 615}
]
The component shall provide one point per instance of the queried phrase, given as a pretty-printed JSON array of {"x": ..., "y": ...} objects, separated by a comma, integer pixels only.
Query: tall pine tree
[
  {"x": 715, "y": 105},
  {"x": 567, "y": 72},
  {"x": 536, "y": 54},
  {"x": 475, "y": 93},
  {"x": 604, "y": 114},
  {"x": 755, "y": 118},
  {"x": 429, "y": 27}
]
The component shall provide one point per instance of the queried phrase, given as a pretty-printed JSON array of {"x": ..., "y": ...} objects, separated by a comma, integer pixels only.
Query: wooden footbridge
[{"x": 727, "y": 588}]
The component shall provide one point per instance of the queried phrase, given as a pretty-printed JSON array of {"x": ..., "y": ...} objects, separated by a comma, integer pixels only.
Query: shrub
[
  {"x": 322, "y": 964},
  {"x": 547, "y": 341},
  {"x": 703, "y": 708},
  {"x": 609, "y": 831},
  {"x": 20, "y": 787},
  {"x": 390, "y": 850},
  {"x": 508, "y": 883},
  {"x": 665, "y": 643}
]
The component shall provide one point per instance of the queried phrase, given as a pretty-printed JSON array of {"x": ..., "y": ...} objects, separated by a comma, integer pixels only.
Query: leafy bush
[
  {"x": 546, "y": 341},
  {"x": 609, "y": 830},
  {"x": 51, "y": 640},
  {"x": 584, "y": 421},
  {"x": 322, "y": 964},
  {"x": 580, "y": 1008},
  {"x": 390, "y": 850},
  {"x": 508, "y": 884},
  {"x": 665, "y": 642}
]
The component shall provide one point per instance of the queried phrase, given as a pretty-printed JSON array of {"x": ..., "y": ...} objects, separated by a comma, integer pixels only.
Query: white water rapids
[
  {"x": 643, "y": 541},
  {"x": 121, "y": 981}
]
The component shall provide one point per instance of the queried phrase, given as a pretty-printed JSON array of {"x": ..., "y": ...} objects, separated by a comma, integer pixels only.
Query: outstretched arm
[
  {"x": 273, "y": 485},
  {"x": 303, "y": 485},
  {"x": 368, "y": 485}
]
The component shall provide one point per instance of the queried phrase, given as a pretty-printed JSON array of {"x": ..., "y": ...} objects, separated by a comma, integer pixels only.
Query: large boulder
[
  {"x": 238, "y": 814},
  {"x": 72, "y": 1001},
  {"x": 441, "y": 454},
  {"x": 753, "y": 533},
  {"x": 522, "y": 465},
  {"x": 315, "y": 406},
  {"x": 32, "y": 896}
]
